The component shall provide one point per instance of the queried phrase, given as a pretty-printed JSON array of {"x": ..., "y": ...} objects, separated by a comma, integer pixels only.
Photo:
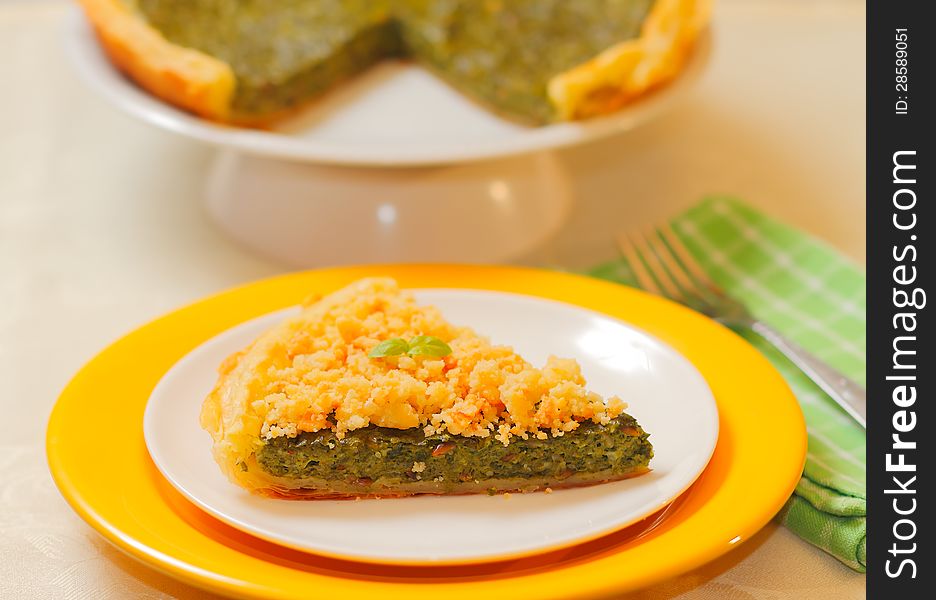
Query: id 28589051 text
[{"x": 902, "y": 70}]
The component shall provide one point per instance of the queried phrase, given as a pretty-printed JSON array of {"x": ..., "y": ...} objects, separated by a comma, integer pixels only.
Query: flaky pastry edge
[
  {"x": 181, "y": 76},
  {"x": 627, "y": 70}
]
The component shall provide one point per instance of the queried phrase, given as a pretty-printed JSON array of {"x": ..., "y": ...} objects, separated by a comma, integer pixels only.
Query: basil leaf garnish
[
  {"x": 427, "y": 345},
  {"x": 391, "y": 347},
  {"x": 421, "y": 345}
]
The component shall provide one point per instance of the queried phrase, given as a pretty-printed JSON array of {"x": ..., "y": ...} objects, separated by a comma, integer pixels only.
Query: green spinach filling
[
  {"x": 387, "y": 456},
  {"x": 501, "y": 51},
  {"x": 506, "y": 51}
]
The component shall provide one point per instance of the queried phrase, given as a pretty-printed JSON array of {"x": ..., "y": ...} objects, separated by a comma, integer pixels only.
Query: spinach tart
[
  {"x": 365, "y": 393},
  {"x": 538, "y": 61}
]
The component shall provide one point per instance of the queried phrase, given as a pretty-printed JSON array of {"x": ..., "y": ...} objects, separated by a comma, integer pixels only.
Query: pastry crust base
[
  {"x": 629, "y": 69},
  {"x": 181, "y": 76}
]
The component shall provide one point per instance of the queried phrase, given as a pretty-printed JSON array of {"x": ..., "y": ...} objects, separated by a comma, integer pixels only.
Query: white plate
[
  {"x": 664, "y": 391},
  {"x": 394, "y": 114}
]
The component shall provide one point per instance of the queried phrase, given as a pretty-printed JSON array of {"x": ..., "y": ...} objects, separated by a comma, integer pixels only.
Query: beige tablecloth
[{"x": 102, "y": 228}]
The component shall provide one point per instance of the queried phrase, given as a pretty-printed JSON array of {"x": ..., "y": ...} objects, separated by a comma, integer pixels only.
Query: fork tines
[{"x": 663, "y": 265}]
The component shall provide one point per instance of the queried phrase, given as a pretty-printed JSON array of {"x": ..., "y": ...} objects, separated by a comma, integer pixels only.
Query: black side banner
[{"x": 901, "y": 64}]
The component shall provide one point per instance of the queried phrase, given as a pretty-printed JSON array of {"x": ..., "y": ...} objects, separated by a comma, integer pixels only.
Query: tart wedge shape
[{"x": 365, "y": 393}]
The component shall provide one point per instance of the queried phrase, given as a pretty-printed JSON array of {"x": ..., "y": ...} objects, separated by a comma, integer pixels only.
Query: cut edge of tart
[
  {"x": 378, "y": 462},
  {"x": 205, "y": 85},
  {"x": 335, "y": 403}
]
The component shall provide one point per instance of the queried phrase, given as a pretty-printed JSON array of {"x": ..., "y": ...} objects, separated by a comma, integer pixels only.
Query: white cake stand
[{"x": 394, "y": 166}]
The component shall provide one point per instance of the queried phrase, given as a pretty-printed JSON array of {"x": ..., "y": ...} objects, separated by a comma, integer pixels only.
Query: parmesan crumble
[{"x": 318, "y": 375}]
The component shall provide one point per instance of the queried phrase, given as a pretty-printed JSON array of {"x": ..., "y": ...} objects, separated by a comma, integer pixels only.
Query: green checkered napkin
[{"x": 814, "y": 296}]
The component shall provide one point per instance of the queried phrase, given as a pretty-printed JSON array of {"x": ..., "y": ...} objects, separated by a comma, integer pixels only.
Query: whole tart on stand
[
  {"x": 536, "y": 61},
  {"x": 423, "y": 129}
]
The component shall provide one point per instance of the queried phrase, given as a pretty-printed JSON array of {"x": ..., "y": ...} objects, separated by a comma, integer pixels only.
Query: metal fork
[{"x": 664, "y": 266}]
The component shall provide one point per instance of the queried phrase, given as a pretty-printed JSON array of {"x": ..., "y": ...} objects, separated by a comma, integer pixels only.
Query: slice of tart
[
  {"x": 365, "y": 393},
  {"x": 536, "y": 60}
]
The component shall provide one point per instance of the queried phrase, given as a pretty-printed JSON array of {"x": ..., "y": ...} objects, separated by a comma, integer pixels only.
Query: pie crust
[{"x": 181, "y": 76}]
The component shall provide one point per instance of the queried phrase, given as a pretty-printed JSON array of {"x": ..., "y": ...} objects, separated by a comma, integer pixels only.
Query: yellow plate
[{"x": 98, "y": 458}]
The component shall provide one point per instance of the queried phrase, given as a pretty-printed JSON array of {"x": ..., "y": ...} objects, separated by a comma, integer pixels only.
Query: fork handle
[{"x": 848, "y": 394}]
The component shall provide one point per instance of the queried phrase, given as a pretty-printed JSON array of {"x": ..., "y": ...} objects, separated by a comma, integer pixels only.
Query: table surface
[{"x": 102, "y": 228}]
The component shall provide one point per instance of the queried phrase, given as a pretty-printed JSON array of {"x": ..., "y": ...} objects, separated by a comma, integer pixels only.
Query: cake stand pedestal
[{"x": 307, "y": 214}]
